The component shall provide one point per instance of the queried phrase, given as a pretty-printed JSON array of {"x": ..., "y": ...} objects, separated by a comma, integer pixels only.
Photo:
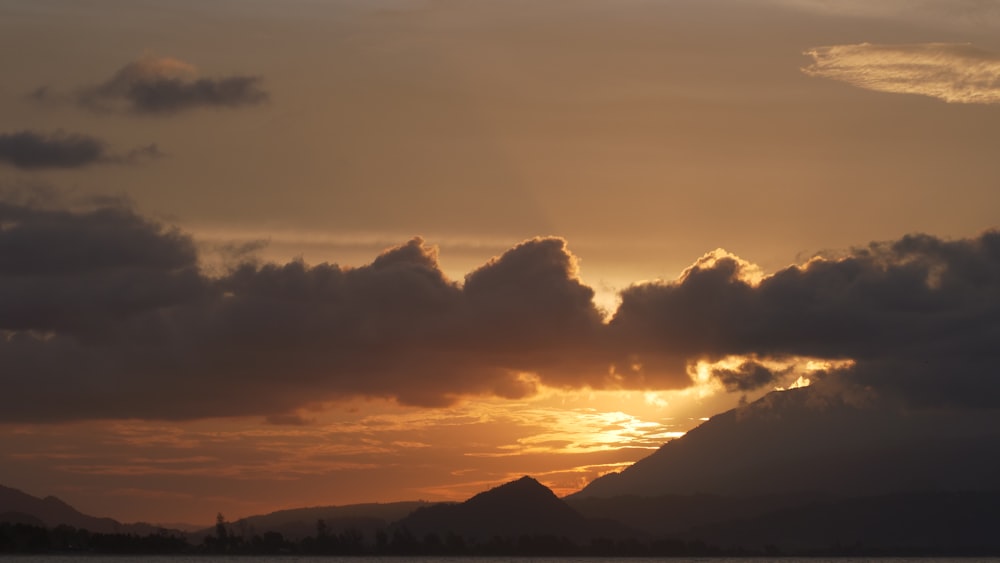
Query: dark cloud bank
[
  {"x": 32, "y": 150},
  {"x": 106, "y": 314},
  {"x": 161, "y": 86}
]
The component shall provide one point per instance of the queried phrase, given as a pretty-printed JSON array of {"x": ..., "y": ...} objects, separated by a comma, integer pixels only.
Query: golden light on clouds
[
  {"x": 746, "y": 271},
  {"x": 346, "y": 453},
  {"x": 252, "y": 320},
  {"x": 150, "y": 66},
  {"x": 585, "y": 431},
  {"x": 715, "y": 377},
  {"x": 955, "y": 73}
]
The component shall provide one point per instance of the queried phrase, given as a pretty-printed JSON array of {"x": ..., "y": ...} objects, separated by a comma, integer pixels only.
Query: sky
[{"x": 267, "y": 254}]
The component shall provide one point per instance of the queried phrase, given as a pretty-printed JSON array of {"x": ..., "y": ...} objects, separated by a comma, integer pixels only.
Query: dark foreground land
[
  {"x": 28, "y": 539},
  {"x": 524, "y": 518}
]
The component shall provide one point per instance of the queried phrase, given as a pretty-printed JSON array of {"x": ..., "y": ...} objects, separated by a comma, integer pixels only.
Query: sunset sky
[{"x": 265, "y": 254}]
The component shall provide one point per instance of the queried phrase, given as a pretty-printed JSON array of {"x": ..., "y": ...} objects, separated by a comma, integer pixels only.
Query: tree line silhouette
[
  {"x": 16, "y": 537},
  {"x": 28, "y": 538}
]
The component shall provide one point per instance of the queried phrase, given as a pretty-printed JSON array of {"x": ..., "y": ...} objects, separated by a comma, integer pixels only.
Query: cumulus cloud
[
  {"x": 919, "y": 317},
  {"x": 956, "y": 73},
  {"x": 162, "y": 86},
  {"x": 107, "y": 314},
  {"x": 528, "y": 308},
  {"x": 31, "y": 150}
]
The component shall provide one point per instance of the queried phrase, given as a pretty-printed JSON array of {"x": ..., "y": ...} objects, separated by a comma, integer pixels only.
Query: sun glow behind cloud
[
  {"x": 343, "y": 453},
  {"x": 645, "y": 133},
  {"x": 555, "y": 425}
]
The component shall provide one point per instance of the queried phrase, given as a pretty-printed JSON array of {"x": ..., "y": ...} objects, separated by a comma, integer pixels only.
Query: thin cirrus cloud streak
[
  {"x": 466, "y": 435},
  {"x": 955, "y": 73},
  {"x": 579, "y": 431},
  {"x": 161, "y": 86},
  {"x": 33, "y": 150},
  {"x": 105, "y": 314}
]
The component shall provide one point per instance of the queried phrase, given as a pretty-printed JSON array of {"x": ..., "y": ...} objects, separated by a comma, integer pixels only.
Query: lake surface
[{"x": 296, "y": 559}]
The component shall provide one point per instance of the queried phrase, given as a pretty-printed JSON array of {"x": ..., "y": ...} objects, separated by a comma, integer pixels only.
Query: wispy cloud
[
  {"x": 578, "y": 431},
  {"x": 955, "y": 73}
]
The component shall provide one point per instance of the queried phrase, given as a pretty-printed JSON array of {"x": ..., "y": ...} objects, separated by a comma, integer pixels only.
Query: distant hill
[
  {"x": 298, "y": 523},
  {"x": 12, "y": 517},
  {"x": 800, "y": 441},
  {"x": 520, "y": 508},
  {"x": 19, "y": 507}
]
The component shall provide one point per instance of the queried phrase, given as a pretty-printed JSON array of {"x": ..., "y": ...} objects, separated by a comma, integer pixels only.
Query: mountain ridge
[
  {"x": 297, "y": 523},
  {"x": 802, "y": 440},
  {"x": 801, "y": 470},
  {"x": 53, "y": 511}
]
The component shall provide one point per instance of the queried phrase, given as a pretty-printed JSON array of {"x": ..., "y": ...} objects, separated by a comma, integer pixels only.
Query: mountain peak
[
  {"x": 521, "y": 487},
  {"x": 521, "y": 507},
  {"x": 516, "y": 495}
]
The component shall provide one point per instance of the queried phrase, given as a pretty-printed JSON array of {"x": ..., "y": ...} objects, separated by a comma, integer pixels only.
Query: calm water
[{"x": 291, "y": 559}]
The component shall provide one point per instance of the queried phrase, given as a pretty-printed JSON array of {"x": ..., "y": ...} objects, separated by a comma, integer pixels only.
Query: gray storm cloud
[
  {"x": 107, "y": 314},
  {"x": 32, "y": 150},
  {"x": 919, "y": 316},
  {"x": 955, "y": 73},
  {"x": 162, "y": 86}
]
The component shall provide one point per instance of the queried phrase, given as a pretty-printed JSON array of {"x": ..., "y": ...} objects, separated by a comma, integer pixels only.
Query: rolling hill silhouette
[
  {"x": 298, "y": 523},
  {"x": 18, "y": 506}
]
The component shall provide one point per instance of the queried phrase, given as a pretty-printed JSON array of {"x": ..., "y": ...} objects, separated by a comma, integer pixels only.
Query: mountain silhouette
[
  {"x": 523, "y": 507},
  {"x": 804, "y": 441},
  {"x": 18, "y": 506}
]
